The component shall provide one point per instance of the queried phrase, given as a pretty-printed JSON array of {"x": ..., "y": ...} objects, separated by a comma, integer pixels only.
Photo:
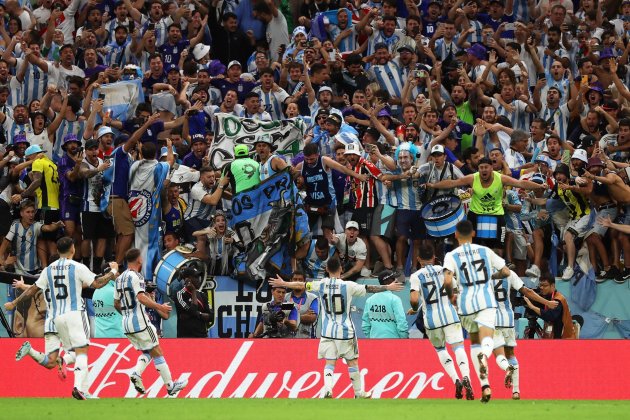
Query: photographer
[
  {"x": 307, "y": 307},
  {"x": 278, "y": 319},
  {"x": 193, "y": 310},
  {"x": 558, "y": 321}
]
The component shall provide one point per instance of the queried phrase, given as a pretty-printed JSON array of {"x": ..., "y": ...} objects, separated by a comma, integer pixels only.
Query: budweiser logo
[{"x": 249, "y": 374}]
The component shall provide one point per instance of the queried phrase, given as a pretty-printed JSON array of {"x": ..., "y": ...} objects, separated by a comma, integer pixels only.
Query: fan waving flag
[{"x": 121, "y": 98}]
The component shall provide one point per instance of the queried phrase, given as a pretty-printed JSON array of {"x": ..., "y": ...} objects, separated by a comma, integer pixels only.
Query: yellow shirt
[{"x": 48, "y": 191}]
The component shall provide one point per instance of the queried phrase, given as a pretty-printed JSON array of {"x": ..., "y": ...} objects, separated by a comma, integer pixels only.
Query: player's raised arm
[{"x": 394, "y": 287}]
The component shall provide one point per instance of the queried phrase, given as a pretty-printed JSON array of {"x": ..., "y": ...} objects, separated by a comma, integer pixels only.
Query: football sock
[
  {"x": 462, "y": 360},
  {"x": 515, "y": 384},
  {"x": 142, "y": 363},
  {"x": 80, "y": 371},
  {"x": 502, "y": 362},
  {"x": 487, "y": 346},
  {"x": 329, "y": 378},
  {"x": 475, "y": 349},
  {"x": 447, "y": 363},
  {"x": 165, "y": 372},
  {"x": 70, "y": 357},
  {"x": 355, "y": 377},
  {"x": 38, "y": 356}
]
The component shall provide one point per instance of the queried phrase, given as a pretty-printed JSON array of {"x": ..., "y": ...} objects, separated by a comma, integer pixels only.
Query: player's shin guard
[
  {"x": 329, "y": 378},
  {"x": 447, "y": 363},
  {"x": 487, "y": 346},
  {"x": 80, "y": 371},
  {"x": 515, "y": 375},
  {"x": 475, "y": 349},
  {"x": 142, "y": 363},
  {"x": 70, "y": 357},
  {"x": 162, "y": 368},
  {"x": 502, "y": 361},
  {"x": 355, "y": 378},
  {"x": 38, "y": 356},
  {"x": 462, "y": 360}
]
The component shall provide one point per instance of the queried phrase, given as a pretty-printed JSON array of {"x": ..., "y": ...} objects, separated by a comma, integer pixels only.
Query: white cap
[
  {"x": 352, "y": 149},
  {"x": 200, "y": 51},
  {"x": 324, "y": 89},
  {"x": 352, "y": 224},
  {"x": 438, "y": 148},
  {"x": 581, "y": 155},
  {"x": 234, "y": 63}
]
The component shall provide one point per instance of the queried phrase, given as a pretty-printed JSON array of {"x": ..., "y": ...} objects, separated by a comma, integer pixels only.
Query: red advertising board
[{"x": 217, "y": 368}]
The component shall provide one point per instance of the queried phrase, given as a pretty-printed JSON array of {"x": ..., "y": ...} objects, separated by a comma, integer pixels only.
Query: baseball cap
[
  {"x": 321, "y": 112},
  {"x": 172, "y": 67},
  {"x": 334, "y": 119},
  {"x": 241, "y": 150},
  {"x": 538, "y": 178},
  {"x": 234, "y": 63},
  {"x": 299, "y": 30},
  {"x": 594, "y": 161},
  {"x": 164, "y": 152},
  {"x": 478, "y": 51},
  {"x": 20, "y": 138},
  {"x": 406, "y": 47},
  {"x": 70, "y": 137},
  {"x": 352, "y": 149},
  {"x": 438, "y": 148},
  {"x": 380, "y": 46},
  {"x": 562, "y": 169},
  {"x": 413, "y": 125},
  {"x": 104, "y": 130},
  {"x": 33, "y": 150},
  {"x": 387, "y": 277},
  {"x": 384, "y": 113},
  {"x": 90, "y": 144},
  {"x": 587, "y": 141},
  {"x": 197, "y": 138},
  {"x": 352, "y": 224},
  {"x": 543, "y": 159},
  {"x": 580, "y": 154},
  {"x": 200, "y": 51},
  {"x": 324, "y": 89}
]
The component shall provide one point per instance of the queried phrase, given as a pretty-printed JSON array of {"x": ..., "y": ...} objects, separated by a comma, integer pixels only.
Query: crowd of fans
[{"x": 403, "y": 103}]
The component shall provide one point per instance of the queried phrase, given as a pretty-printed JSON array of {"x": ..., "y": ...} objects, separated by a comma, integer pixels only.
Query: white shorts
[
  {"x": 504, "y": 337},
  {"x": 73, "y": 329},
  {"x": 52, "y": 343},
  {"x": 144, "y": 340},
  {"x": 579, "y": 227},
  {"x": 330, "y": 349},
  {"x": 450, "y": 334},
  {"x": 519, "y": 251},
  {"x": 485, "y": 318}
]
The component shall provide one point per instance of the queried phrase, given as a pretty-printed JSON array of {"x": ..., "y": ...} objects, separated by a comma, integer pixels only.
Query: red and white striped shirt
[{"x": 365, "y": 194}]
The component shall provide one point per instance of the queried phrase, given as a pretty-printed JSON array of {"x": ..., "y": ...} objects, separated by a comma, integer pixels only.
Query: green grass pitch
[{"x": 257, "y": 409}]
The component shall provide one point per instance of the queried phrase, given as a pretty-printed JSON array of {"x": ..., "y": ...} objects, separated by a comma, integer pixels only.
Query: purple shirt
[
  {"x": 121, "y": 162},
  {"x": 192, "y": 161},
  {"x": 241, "y": 87},
  {"x": 68, "y": 188}
]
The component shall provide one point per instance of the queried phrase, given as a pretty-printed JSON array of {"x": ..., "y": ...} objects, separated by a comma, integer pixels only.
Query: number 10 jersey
[{"x": 472, "y": 266}]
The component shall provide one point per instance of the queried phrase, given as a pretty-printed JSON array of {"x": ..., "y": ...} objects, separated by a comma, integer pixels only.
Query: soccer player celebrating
[
  {"x": 440, "y": 318},
  {"x": 504, "y": 334},
  {"x": 338, "y": 336},
  {"x": 62, "y": 282},
  {"x": 132, "y": 301},
  {"x": 470, "y": 266}
]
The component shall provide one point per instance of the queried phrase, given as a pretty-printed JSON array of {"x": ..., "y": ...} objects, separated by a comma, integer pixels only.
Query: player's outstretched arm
[
  {"x": 30, "y": 292},
  {"x": 551, "y": 304},
  {"x": 394, "y": 287},
  {"x": 502, "y": 273},
  {"x": 278, "y": 282},
  {"x": 105, "y": 278}
]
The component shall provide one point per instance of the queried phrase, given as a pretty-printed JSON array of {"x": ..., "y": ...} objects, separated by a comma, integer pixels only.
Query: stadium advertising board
[{"x": 261, "y": 369}]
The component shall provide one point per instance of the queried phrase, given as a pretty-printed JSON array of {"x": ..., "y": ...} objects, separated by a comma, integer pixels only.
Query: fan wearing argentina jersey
[
  {"x": 338, "y": 338},
  {"x": 515, "y": 109},
  {"x": 132, "y": 301},
  {"x": 386, "y": 72},
  {"x": 272, "y": 97},
  {"x": 200, "y": 205},
  {"x": 556, "y": 114},
  {"x": 469, "y": 267},
  {"x": 389, "y": 35},
  {"x": 441, "y": 322},
  {"x": 22, "y": 240},
  {"x": 52, "y": 344},
  {"x": 62, "y": 283},
  {"x": 504, "y": 334},
  {"x": 317, "y": 256}
]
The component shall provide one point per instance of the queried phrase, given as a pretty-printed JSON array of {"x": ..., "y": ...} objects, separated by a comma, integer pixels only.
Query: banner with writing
[{"x": 287, "y": 136}]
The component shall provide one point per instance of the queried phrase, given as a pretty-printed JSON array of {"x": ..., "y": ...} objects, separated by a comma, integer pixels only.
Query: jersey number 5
[{"x": 62, "y": 289}]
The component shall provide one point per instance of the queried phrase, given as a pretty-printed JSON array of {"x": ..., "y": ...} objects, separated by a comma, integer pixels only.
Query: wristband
[{"x": 114, "y": 272}]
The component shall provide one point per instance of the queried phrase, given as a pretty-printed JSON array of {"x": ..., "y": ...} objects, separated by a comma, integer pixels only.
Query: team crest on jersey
[{"x": 140, "y": 206}]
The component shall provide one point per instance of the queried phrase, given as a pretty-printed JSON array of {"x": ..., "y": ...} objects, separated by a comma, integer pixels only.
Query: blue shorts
[{"x": 409, "y": 224}]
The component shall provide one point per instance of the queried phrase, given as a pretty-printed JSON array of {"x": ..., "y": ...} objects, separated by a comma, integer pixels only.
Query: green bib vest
[
  {"x": 487, "y": 200},
  {"x": 246, "y": 173}
]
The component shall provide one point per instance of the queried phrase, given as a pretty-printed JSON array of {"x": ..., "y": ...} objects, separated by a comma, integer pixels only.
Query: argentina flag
[{"x": 121, "y": 98}]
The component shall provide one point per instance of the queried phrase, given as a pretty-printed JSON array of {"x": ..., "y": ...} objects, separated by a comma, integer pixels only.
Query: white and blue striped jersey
[
  {"x": 378, "y": 37},
  {"x": 336, "y": 298},
  {"x": 196, "y": 207},
  {"x": 35, "y": 81},
  {"x": 161, "y": 28},
  {"x": 559, "y": 117},
  {"x": 272, "y": 102},
  {"x": 438, "y": 309},
  {"x": 475, "y": 37},
  {"x": 62, "y": 283},
  {"x": 472, "y": 266},
  {"x": 66, "y": 127},
  {"x": 389, "y": 77},
  {"x": 24, "y": 244},
  {"x": 349, "y": 43},
  {"x": 547, "y": 60},
  {"x": 443, "y": 49},
  {"x": 111, "y": 26},
  {"x": 314, "y": 267},
  {"x": 407, "y": 192},
  {"x": 505, "y": 313},
  {"x": 118, "y": 54},
  {"x": 518, "y": 117},
  {"x": 128, "y": 285}
]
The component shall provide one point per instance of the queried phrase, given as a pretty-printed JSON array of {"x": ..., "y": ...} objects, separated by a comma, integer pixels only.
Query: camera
[{"x": 273, "y": 317}]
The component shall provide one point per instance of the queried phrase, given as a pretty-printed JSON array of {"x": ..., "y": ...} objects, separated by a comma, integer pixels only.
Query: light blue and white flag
[
  {"x": 121, "y": 98},
  {"x": 146, "y": 181}
]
